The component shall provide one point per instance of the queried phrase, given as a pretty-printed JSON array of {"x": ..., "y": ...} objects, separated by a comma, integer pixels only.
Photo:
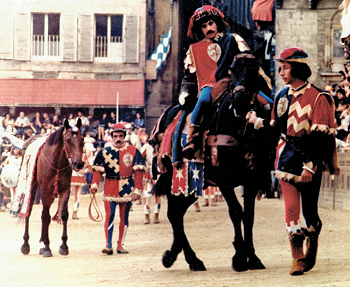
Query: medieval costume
[
  {"x": 303, "y": 116},
  {"x": 124, "y": 167},
  {"x": 206, "y": 62}
]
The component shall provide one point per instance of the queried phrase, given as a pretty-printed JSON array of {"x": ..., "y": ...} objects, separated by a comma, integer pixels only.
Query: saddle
[{"x": 220, "y": 90}]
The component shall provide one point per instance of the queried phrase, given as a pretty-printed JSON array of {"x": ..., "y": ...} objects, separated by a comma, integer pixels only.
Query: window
[
  {"x": 338, "y": 51},
  {"x": 335, "y": 57},
  {"x": 46, "y": 35},
  {"x": 109, "y": 37}
]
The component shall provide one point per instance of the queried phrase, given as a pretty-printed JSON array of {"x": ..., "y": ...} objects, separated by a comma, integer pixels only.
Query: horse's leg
[
  {"x": 25, "y": 249},
  {"x": 248, "y": 221},
  {"x": 239, "y": 260},
  {"x": 177, "y": 207},
  {"x": 64, "y": 215},
  {"x": 45, "y": 223}
]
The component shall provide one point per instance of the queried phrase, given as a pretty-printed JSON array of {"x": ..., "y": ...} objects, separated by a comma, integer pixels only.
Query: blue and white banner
[{"x": 161, "y": 52}]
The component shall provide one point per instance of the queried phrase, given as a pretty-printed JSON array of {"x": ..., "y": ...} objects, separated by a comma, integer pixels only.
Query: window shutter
[
  {"x": 85, "y": 39},
  {"x": 6, "y": 36},
  {"x": 22, "y": 35},
  {"x": 131, "y": 39},
  {"x": 69, "y": 36}
]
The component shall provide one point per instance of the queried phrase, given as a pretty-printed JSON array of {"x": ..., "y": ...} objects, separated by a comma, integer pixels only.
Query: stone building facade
[
  {"x": 315, "y": 27},
  {"x": 60, "y": 55}
]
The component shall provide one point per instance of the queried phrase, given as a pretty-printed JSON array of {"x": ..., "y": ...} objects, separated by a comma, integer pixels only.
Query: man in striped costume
[{"x": 303, "y": 118}]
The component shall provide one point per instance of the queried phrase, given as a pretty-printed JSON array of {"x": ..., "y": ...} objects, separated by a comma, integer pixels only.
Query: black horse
[{"x": 235, "y": 154}]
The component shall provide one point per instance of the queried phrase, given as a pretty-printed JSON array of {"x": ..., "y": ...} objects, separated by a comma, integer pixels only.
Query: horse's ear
[
  {"x": 259, "y": 53},
  {"x": 79, "y": 123},
  {"x": 66, "y": 124}
]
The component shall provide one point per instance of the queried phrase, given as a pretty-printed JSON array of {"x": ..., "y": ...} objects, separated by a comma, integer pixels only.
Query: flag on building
[{"x": 161, "y": 52}]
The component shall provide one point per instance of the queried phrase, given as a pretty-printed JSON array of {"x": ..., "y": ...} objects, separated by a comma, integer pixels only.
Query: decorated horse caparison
[
  {"x": 235, "y": 154},
  {"x": 48, "y": 164}
]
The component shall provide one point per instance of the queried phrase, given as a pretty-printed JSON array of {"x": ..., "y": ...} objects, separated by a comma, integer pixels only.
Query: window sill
[{"x": 331, "y": 77}]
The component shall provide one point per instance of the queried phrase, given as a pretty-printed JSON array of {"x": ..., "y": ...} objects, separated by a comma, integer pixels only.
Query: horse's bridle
[
  {"x": 242, "y": 55},
  {"x": 55, "y": 193},
  {"x": 69, "y": 158}
]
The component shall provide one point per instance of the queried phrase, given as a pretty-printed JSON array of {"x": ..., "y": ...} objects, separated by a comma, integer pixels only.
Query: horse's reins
[
  {"x": 93, "y": 204},
  {"x": 242, "y": 88},
  {"x": 93, "y": 201}
]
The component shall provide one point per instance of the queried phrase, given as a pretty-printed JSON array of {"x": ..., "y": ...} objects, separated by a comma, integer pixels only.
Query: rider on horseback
[{"x": 206, "y": 62}]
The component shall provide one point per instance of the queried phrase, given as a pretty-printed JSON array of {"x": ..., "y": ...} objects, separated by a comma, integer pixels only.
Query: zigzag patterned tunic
[{"x": 296, "y": 118}]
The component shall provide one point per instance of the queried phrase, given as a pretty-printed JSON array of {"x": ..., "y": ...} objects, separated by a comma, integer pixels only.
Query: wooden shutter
[
  {"x": 131, "y": 39},
  {"x": 6, "y": 36},
  {"x": 22, "y": 37},
  {"x": 85, "y": 46},
  {"x": 69, "y": 36}
]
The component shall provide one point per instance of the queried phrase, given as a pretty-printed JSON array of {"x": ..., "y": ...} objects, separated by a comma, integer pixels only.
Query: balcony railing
[
  {"x": 111, "y": 50},
  {"x": 50, "y": 48}
]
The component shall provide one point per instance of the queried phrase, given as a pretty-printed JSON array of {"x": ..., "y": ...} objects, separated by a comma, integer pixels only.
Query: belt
[
  {"x": 294, "y": 139},
  {"x": 221, "y": 140}
]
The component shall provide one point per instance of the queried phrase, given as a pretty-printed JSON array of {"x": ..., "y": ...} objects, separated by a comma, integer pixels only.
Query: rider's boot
[
  {"x": 311, "y": 248},
  {"x": 194, "y": 141},
  {"x": 296, "y": 243}
]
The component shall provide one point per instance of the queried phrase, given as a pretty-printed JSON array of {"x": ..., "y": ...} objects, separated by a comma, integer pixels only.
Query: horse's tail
[{"x": 164, "y": 182}]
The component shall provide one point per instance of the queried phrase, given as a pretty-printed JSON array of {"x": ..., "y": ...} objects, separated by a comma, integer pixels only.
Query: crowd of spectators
[
  {"x": 97, "y": 128},
  {"x": 341, "y": 95}
]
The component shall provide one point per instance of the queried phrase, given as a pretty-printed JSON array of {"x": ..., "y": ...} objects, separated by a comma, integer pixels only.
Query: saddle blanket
[{"x": 20, "y": 205}]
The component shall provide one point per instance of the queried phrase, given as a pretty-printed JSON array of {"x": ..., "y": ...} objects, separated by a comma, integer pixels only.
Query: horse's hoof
[
  {"x": 254, "y": 263},
  {"x": 168, "y": 259},
  {"x": 25, "y": 249},
  {"x": 63, "y": 251},
  {"x": 239, "y": 263},
  {"x": 198, "y": 266},
  {"x": 45, "y": 253}
]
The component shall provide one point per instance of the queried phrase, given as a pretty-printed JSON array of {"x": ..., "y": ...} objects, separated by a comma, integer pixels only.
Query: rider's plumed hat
[{"x": 203, "y": 14}]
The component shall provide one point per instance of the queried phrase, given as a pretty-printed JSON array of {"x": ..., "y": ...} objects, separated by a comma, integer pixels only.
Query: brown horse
[{"x": 61, "y": 152}]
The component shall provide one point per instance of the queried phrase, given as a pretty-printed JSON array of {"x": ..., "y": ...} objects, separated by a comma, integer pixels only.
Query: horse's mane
[{"x": 55, "y": 137}]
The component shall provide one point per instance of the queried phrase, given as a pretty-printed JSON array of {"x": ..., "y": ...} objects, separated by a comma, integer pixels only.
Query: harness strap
[{"x": 55, "y": 192}]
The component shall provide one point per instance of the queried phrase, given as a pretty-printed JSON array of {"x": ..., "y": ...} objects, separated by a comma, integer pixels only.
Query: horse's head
[
  {"x": 73, "y": 144},
  {"x": 244, "y": 79}
]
